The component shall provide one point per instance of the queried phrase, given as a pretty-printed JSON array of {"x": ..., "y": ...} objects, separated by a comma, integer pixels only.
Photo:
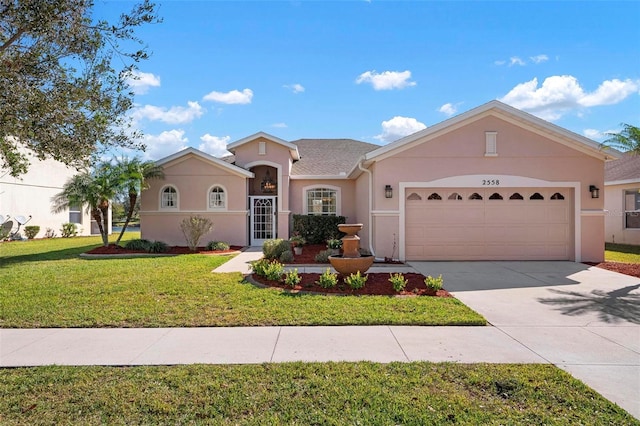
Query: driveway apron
[{"x": 585, "y": 320}]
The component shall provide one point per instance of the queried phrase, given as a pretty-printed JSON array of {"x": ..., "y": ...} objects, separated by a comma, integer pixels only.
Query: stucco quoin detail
[{"x": 492, "y": 181}]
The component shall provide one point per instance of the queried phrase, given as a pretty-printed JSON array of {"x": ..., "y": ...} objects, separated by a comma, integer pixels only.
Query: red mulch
[
  {"x": 377, "y": 284},
  {"x": 310, "y": 251},
  {"x": 115, "y": 249},
  {"x": 632, "y": 269}
]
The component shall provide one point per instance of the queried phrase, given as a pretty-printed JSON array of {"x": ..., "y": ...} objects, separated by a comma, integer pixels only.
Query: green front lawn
[
  {"x": 303, "y": 393},
  {"x": 43, "y": 283},
  {"x": 622, "y": 253}
]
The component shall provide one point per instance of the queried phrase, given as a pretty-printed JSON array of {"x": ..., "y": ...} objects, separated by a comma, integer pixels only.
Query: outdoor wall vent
[{"x": 491, "y": 144}]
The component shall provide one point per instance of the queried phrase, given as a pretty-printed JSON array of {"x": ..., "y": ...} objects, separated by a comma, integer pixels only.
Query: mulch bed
[
  {"x": 119, "y": 250},
  {"x": 632, "y": 269},
  {"x": 377, "y": 284}
]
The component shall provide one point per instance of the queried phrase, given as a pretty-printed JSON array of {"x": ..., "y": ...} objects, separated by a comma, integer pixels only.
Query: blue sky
[{"x": 378, "y": 70}]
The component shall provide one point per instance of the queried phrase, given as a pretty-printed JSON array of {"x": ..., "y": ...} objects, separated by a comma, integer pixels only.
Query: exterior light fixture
[
  {"x": 388, "y": 191},
  {"x": 268, "y": 186},
  {"x": 595, "y": 191}
]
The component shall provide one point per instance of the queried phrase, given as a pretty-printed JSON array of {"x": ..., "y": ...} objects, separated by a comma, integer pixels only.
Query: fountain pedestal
[{"x": 351, "y": 261}]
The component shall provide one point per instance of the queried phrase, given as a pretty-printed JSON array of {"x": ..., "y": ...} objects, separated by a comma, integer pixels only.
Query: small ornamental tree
[{"x": 194, "y": 228}]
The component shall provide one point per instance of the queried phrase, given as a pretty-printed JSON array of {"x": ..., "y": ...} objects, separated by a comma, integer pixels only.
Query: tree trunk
[
  {"x": 105, "y": 224},
  {"x": 132, "y": 205},
  {"x": 96, "y": 214}
]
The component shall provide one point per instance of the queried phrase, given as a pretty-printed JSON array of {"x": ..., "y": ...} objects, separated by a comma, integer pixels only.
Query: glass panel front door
[{"x": 263, "y": 219}]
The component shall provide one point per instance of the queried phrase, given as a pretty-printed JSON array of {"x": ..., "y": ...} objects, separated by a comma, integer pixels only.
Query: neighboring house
[
  {"x": 493, "y": 183},
  {"x": 30, "y": 195},
  {"x": 622, "y": 200}
]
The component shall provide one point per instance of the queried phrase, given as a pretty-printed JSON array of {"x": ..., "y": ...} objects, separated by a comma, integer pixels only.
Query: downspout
[{"x": 370, "y": 230}]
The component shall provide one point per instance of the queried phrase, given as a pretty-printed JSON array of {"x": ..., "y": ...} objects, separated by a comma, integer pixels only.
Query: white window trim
[
  {"x": 160, "y": 198},
  {"x": 226, "y": 198},
  {"x": 305, "y": 203},
  {"x": 625, "y": 211}
]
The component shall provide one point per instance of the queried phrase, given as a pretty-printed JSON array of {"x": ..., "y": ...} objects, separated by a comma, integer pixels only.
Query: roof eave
[
  {"x": 293, "y": 149},
  {"x": 187, "y": 151}
]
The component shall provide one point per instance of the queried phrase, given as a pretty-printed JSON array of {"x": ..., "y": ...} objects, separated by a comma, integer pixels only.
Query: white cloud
[
  {"x": 538, "y": 59},
  {"x": 560, "y": 94},
  {"x": 214, "y": 145},
  {"x": 140, "y": 82},
  {"x": 499, "y": 63},
  {"x": 166, "y": 143},
  {"x": 449, "y": 109},
  {"x": 232, "y": 97},
  {"x": 387, "y": 80},
  {"x": 399, "y": 127},
  {"x": 295, "y": 88},
  {"x": 280, "y": 125},
  {"x": 593, "y": 133},
  {"x": 173, "y": 115},
  {"x": 514, "y": 60}
]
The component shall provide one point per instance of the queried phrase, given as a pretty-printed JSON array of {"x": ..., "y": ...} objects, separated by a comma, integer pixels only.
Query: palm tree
[
  {"x": 627, "y": 140},
  {"x": 134, "y": 176},
  {"x": 94, "y": 188}
]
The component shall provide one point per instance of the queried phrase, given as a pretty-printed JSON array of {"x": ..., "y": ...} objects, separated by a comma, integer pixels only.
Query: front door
[{"x": 263, "y": 219}]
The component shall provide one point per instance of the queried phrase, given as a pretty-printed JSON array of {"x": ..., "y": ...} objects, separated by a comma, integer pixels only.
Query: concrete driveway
[{"x": 585, "y": 320}]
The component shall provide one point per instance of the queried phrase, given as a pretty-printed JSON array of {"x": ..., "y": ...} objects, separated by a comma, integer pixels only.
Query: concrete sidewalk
[{"x": 585, "y": 320}]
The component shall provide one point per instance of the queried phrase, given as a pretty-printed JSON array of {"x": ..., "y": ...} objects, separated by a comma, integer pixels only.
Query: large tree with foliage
[
  {"x": 134, "y": 176},
  {"x": 93, "y": 188},
  {"x": 61, "y": 95},
  {"x": 628, "y": 139}
]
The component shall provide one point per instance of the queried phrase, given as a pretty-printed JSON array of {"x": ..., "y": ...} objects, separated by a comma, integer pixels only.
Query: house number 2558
[{"x": 490, "y": 182}]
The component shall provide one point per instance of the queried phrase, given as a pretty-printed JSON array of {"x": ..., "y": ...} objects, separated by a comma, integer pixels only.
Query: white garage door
[{"x": 488, "y": 224}]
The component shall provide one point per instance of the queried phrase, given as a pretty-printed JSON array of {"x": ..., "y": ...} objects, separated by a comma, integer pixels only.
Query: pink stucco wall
[
  {"x": 193, "y": 177},
  {"x": 462, "y": 152}
]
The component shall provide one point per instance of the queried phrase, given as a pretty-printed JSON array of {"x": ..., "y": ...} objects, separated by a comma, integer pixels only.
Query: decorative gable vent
[
  {"x": 262, "y": 148},
  {"x": 491, "y": 144}
]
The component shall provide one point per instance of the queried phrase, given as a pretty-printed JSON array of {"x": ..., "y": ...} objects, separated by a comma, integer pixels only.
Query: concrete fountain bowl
[{"x": 351, "y": 265}]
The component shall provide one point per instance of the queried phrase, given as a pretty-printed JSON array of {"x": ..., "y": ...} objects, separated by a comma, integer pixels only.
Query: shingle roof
[
  {"x": 329, "y": 157},
  {"x": 625, "y": 168}
]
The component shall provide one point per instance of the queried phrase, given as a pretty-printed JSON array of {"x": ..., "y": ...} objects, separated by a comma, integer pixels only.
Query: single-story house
[
  {"x": 31, "y": 194},
  {"x": 493, "y": 183},
  {"x": 622, "y": 200}
]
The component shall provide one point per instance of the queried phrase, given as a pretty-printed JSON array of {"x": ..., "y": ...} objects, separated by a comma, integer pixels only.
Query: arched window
[
  {"x": 169, "y": 198},
  {"x": 434, "y": 196},
  {"x": 516, "y": 196},
  {"x": 495, "y": 196},
  {"x": 414, "y": 197},
  {"x": 557, "y": 196},
  {"x": 217, "y": 198},
  {"x": 475, "y": 196},
  {"x": 455, "y": 196},
  {"x": 536, "y": 196}
]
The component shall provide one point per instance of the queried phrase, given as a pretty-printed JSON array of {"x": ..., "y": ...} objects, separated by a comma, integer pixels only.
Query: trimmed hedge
[{"x": 318, "y": 229}]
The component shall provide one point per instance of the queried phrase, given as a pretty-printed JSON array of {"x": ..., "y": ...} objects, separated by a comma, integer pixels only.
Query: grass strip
[{"x": 303, "y": 393}]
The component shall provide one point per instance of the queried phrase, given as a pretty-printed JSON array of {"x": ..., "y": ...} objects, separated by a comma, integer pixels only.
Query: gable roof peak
[
  {"x": 203, "y": 155},
  {"x": 263, "y": 135}
]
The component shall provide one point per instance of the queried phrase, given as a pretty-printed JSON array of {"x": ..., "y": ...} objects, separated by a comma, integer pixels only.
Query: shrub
[
  {"x": 356, "y": 281},
  {"x": 194, "y": 228},
  {"x": 297, "y": 240},
  {"x": 323, "y": 256},
  {"x": 138, "y": 244},
  {"x": 259, "y": 266},
  {"x": 291, "y": 278},
  {"x": 31, "y": 231},
  {"x": 434, "y": 283},
  {"x": 273, "y": 249},
  {"x": 49, "y": 233},
  {"x": 158, "y": 247},
  {"x": 274, "y": 271},
  {"x": 68, "y": 230},
  {"x": 334, "y": 244},
  {"x": 328, "y": 279},
  {"x": 286, "y": 256},
  {"x": 398, "y": 282},
  {"x": 218, "y": 245},
  {"x": 317, "y": 229}
]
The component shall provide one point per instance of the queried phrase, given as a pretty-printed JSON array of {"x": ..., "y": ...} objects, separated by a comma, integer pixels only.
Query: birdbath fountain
[{"x": 351, "y": 261}]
